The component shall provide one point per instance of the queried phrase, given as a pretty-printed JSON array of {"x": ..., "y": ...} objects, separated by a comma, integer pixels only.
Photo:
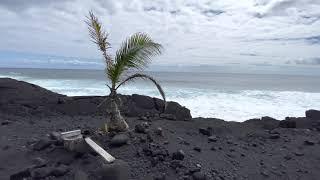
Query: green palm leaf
[
  {"x": 144, "y": 77},
  {"x": 135, "y": 53},
  {"x": 99, "y": 36}
]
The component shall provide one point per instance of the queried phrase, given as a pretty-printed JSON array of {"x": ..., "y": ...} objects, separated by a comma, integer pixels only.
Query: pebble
[
  {"x": 119, "y": 140},
  {"x": 264, "y": 173},
  {"x": 6, "y": 122},
  {"x": 206, "y": 131},
  {"x": 274, "y": 136},
  {"x": 287, "y": 157},
  {"x": 213, "y": 148},
  {"x": 41, "y": 145},
  {"x": 39, "y": 162},
  {"x": 24, "y": 174},
  {"x": 179, "y": 155},
  {"x": 159, "y": 131},
  {"x": 160, "y": 177},
  {"x": 298, "y": 153},
  {"x": 140, "y": 128},
  {"x": 212, "y": 139},
  {"x": 198, "y": 149},
  {"x": 309, "y": 142},
  {"x": 199, "y": 176},
  {"x": 80, "y": 175}
]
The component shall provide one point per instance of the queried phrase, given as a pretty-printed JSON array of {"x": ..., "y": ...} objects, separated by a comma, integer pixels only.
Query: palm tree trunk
[{"x": 116, "y": 122}]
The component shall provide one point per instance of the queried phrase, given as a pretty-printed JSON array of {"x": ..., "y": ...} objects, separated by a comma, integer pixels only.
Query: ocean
[{"x": 229, "y": 96}]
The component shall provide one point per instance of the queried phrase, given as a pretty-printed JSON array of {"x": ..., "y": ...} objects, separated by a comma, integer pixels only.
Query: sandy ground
[{"x": 211, "y": 148}]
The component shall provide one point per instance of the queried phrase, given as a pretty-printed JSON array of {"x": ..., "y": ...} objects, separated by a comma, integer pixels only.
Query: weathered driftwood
[
  {"x": 112, "y": 169},
  {"x": 71, "y": 133},
  {"x": 73, "y": 141},
  {"x": 99, "y": 150}
]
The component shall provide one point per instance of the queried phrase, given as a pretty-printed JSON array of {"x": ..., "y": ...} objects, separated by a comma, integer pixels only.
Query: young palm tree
[{"x": 135, "y": 53}]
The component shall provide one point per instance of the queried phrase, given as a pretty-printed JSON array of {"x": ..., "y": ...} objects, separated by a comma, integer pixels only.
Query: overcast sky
[{"x": 261, "y": 32}]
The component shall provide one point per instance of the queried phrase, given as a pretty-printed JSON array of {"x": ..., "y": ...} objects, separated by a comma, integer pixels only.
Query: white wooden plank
[
  {"x": 71, "y": 133},
  {"x": 99, "y": 150}
]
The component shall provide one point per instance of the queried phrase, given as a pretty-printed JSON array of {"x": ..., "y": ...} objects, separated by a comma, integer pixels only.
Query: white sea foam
[{"x": 231, "y": 105}]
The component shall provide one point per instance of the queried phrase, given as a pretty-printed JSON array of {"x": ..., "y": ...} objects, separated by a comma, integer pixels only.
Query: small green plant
[{"x": 135, "y": 54}]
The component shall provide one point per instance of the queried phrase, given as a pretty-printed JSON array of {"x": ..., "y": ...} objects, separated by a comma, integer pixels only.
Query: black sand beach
[{"x": 169, "y": 145}]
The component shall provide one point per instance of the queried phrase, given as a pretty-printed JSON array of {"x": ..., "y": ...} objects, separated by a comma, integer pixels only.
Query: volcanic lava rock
[
  {"x": 160, "y": 177},
  {"x": 159, "y": 105},
  {"x": 80, "y": 175},
  {"x": 118, "y": 170},
  {"x": 299, "y": 153},
  {"x": 274, "y": 136},
  {"x": 41, "y": 173},
  {"x": 143, "y": 118},
  {"x": 198, "y": 149},
  {"x": 144, "y": 102},
  {"x": 59, "y": 171},
  {"x": 55, "y": 135},
  {"x": 119, "y": 140},
  {"x": 140, "y": 128},
  {"x": 159, "y": 131},
  {"x": 199, "y": 176},
  {"x": 309, "y": 142},
  {"x": 39, "y": 162},
  {"x": 206, "y": 131},
  {"x": 21, "y": 175},
  {"x": 313, "y": 114},
  {"x": 87, "y": 132},
  {"x": 287, "y": 124},
  {"x": 155, "y": 150},
  {"x": 41, "y": 144},
  {"x": 6, "y": 122},
  {"x": 195, "y": 169},
  {"x": 269, "y": 123},
  {"x": 180, "y": 112},
  {"x": 168, "y": 117},
  {"x": 61, "y": 101},
  {"x": 212, "y": 139},
  {"x": 179, "y": 155},
  {"x": 174, "y": 164}
]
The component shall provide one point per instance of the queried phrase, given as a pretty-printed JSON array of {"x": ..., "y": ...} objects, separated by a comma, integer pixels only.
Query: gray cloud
[
  {"x": 21, "y": 5},
  {"x": 211, "y": 12},
  {"x": 313, "y": 39},
  {"x": 309, "y": 39},
  {"x": 199, "y": 32},
  {"x": 281, "y": 7},
  {"x": 313, "y": 61},
  {"x": 248, "y": 54}
]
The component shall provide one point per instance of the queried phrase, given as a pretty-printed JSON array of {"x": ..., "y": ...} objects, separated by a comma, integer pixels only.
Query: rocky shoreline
[{"x": 161, "y": 144}]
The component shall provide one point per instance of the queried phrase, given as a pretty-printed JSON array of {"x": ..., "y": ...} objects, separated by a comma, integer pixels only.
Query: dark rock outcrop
[
  {"x": 313, "y": 114},
  {"x": 144, "y": 102},
  {"x": 181, "y": 113},
  {"x": 22, "y": 99},
  {"x": 288, "y": 124},
  {"x": 266, "y": 122}
]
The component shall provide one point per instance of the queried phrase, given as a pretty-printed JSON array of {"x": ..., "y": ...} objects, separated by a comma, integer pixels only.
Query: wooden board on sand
[{"x": 99, "y": 150}]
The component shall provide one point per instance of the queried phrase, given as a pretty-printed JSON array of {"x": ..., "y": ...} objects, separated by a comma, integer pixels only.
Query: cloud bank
[{"x": 192, "y": 31}]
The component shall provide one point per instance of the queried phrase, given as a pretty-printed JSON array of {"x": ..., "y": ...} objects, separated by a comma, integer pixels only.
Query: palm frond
[
  {"x": 135, "y": 53},
  {"x": 144, "y": 77},
  {"x": 99, "y": 36}
]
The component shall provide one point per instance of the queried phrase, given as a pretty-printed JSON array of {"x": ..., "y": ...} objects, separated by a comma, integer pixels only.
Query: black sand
[{"x": 212, "y": 149}]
